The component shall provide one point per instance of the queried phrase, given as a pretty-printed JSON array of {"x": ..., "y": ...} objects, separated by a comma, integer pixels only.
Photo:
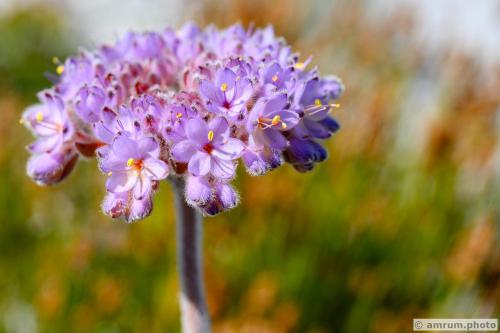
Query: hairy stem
[{"x": 194, "y": 312}]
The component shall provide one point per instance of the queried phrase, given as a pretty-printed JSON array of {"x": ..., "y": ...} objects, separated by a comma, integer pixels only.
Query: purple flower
[
  {"x": 259, "y": 160},
  {"x": 113, "y": 124},
  {"x": 211, "y": 195},
  {"x": 228, "y": 94},
  {"x": 268, "y": 119},
  {"x": 132, "y": 166},
  {"x": 303, "y": 154},
  {"x": 76, "y": 72},
  {"x": 194, "y": 100},
  {"x": 125, "y": 204},
  {"x": 49, "y": 123},
  {"x": 275, "y": 78},
  {"x": 313, "y": 98},
  {"x": 89, "y": 102},
  {"x": 51, "y": 168},
  {"x": 208, "y": 148}
]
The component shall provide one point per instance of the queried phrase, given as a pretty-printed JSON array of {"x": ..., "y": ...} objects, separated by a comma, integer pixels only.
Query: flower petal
[
  {"x": 148, "y": 145},
  {"x": 200, "y": 164},
  {"x": 220, "y": 127},
  {"x": 156, "y": 169},
  {"x": 197, "y": 130},
  {"x": 142, "y": 188},
  {"x": 198, "y": 190},
  {"x": 126, "y": 148},
  {"x": 223, "y": 169},
  {"x": 183, "y": 151},
  {"x": 276, "y": 103},
  {"x": 275, "y": 139},
  {"x": 122, "y": 181},
  {"x": 227, "y": 77},
  {"x": 45, "y": 144},
  {"x": 138, "y": 209},
  {"x": 230, "y": 150},
  {"x": 212, "y": 93}
]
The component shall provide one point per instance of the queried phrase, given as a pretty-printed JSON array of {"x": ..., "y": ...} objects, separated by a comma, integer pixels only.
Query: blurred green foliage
[{"x": 379, "y": 234}]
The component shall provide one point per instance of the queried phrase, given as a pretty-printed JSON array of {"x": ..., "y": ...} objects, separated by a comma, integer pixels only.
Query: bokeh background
[{"x": 402, "y": 221}]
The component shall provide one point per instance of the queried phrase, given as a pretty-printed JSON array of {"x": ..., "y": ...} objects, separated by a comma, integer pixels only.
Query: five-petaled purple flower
[
  {"x": 208, "y": 148},
  {"x": 228, "y": 93},
  {"x": 182, "y": 104},
  {"x": 132, "y": 166}
]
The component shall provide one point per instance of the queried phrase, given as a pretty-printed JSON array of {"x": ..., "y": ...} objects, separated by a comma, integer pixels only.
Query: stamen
[
  {"x": 178, "y": 115},
  {"x": 39, "y": 117},
  {"x": 210, "y": 135},
  {"x": 60, "y": 69},
  {"x": 317, "y": 102},
  {"x": 300, "y": 65},
  {"x": 110, "y": 173},
  {"x": 268, "y": 123},
  {"x": 130, "y": 162},
  {"x": 313, "y": 109},
  {"x": 274, "y": 78},
  {"x": 276, "y": 120},
  {"x": 223, "y": 87}
]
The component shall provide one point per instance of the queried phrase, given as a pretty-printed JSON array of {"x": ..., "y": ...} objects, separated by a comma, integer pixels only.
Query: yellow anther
[
  {"x": 39, "y": 117},
  {"x": 110, "y": 173},
  {"x": 317, "y": 102},
  {"x": 300, "y": 65},
  {"x": 283, "y": 125},
  {"x": 60, "y": 69},
  {"x": 210, "y": 135},
  {"x": 335, "y": 105},
  {"x": 223, "y": 87},
  {"x": 130, "y": 162},
  {"x": 276, "y": 120},
  {"x": 178, "y": 116},
  {"x": 274, "y": 78}
]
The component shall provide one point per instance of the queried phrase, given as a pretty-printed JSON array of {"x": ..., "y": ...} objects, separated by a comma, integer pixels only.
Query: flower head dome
[{"x": 190, "y": 103}]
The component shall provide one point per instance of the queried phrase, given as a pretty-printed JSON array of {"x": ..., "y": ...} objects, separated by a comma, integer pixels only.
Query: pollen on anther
[
  {"x": 276, "y": 120},
  {"x": 39, "y": 116},
  {"x": 283, "y": 125},
  {"x": 223, "y": 87},
  {"x": 317, "y": 102},
  {"x": 274, "y": 78},
  {"x": 178, "y": 115},
  {"x": 110, "y": 173},
  {"x": 300, "y": 65},
  {"x": 60, "y": 69},
  {"x": 130, "y": 162},
  {"x": 210, "y": 135}
]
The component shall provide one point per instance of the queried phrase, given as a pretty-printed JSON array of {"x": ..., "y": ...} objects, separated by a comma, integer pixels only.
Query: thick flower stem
[{"x": 194, "y": 311}]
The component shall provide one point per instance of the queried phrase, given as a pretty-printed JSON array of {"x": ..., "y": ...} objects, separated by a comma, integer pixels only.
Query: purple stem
[{"x": 194, "y": 311}]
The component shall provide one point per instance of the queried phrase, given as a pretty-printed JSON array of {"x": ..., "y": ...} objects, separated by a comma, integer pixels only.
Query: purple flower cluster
[{"x": 188, "y": 103}]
